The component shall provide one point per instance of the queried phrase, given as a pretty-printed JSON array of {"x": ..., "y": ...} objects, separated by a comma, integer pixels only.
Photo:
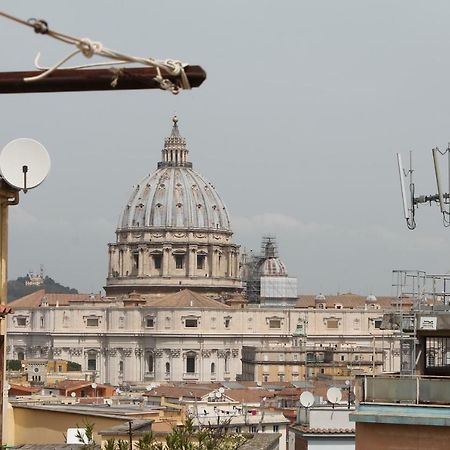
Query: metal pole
[
  {"x": 130, "y": 434},
  {"x": 69, "y": 80},
  {"x": 7, "y": 198}
]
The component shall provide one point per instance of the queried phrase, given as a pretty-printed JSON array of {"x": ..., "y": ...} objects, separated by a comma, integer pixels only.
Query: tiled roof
[
  {"x": 308, "y": 430},
  {"x": 186, "y": 299},
  {"x": 34, "y": 299},
  {"x": 248, "y": 395},
  {"x": 347, "y": 300},
  {"x": 5, "y": 309},
  {"x": 177, "y": 392},
  {"x": 23, "y": 389}
]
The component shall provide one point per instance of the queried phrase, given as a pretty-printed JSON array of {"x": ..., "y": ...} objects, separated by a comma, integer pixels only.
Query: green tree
[
  {"x": 13, "y": 364},
  {"x": 73, "y": 366}
]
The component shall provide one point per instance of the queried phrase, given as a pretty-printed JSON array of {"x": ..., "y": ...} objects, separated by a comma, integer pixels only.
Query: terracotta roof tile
[
  {"x": 309, "y": 430},
  {"x": 5, "y": 309},
  {"x": 186, "y": 299},
  {"x": 34, "y": 299},
  {"x": 248, "y": 395},
  {"x": 348, "y": 300}
]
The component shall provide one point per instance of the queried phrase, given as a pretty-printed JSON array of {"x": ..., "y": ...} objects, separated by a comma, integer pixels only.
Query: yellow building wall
[
  {"x": 33, "y": 426},
  {"x": 313, "y": 371}
]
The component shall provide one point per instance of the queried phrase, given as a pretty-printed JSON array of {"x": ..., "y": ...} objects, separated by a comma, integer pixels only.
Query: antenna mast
[{"x": 411, "y": 202}]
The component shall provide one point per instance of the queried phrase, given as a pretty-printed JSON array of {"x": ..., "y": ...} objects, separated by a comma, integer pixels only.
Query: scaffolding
[
  {"x": 251, "y": 268},
  {"x": 416, "y": 292}
]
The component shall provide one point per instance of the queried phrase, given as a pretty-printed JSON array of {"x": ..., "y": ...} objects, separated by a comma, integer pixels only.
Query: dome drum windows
[{"x": 179, "y": 259}]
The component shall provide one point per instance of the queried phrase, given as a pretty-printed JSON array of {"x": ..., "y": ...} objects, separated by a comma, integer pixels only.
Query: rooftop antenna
[
  {"x": 442, "y": 198},
  {"x": 407, "y": 201}
]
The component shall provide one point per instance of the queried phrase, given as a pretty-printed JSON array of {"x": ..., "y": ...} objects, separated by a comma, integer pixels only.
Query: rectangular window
[
  {"x": 190, "y": 364},
  {"x": 276, "y": 428},
  {"x": 92, "y": 322},
  {"x": 149, "y": 322},
  {"x": 92, "y": 363},
  {"x": 333, "y": 323},
  {"x": 274, "y": 323},
  {"x": 190, "y": 323},
  {"x": 227, "y": 323},
  {"x": 377, "y": 323},
  {"x": 157, "y": 261},
  {"x": 201, "y": 259},
  {"x": 21, "y": 321},
  {"x": 179, "y": 261},
  {"x": 342, "y": 357}
]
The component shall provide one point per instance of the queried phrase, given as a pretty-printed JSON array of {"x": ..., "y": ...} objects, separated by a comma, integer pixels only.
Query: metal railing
[{"x": 412, "y": 389}]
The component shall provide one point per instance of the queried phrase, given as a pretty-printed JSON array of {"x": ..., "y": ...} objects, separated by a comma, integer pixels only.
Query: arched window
[
  {"x": 213, "y": 368},
  {"x": 150, "y": 363},
  {"x": 190, "y": 362},
  {"x": 20, "y": 356},
  {"x": 167, "y": 368},
  {"x": 227, "y": 363},
  {"x": 121, "y": 366}
]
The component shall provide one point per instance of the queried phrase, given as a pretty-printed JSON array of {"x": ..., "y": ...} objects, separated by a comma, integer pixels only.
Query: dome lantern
[{"x": 175, "y": 152}]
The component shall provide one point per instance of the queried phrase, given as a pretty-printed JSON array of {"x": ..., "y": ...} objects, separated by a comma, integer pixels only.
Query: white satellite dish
[
  {"x": 24, "y": 163},
  {"x": 334, "y": 395},
  {"x": 221, "y": 390},
  {"x": 307, "y": 399},
  {"x": 73, "y": 394},
  {"x": 148, "y": 388},
  {"x": 94, "y": 385},
  {"x": 218, "y": 395}
]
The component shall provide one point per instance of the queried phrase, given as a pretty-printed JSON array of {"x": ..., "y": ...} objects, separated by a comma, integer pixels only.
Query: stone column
[
  {"x": 167, "y": 255},
  {"x": 120, "y": 268},
  {"x": 140, "y": 262},
  {"x": 229, "y": 263},
  {"x": 192, "y": 261}
]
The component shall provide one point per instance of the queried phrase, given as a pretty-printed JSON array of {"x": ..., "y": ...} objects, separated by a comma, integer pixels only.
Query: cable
[{"x": 91, "y": 48}]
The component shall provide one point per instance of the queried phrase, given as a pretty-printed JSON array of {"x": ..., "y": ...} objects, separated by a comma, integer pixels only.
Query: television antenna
[
  {"x": 306, "y": 399},
  {"x": 410, "y": 202},
  {"x": 24, "y": 163}
]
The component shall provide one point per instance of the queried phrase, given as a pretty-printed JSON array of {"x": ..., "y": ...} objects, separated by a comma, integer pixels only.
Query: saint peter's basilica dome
[
  {"x": 174, "y": 233},
  {"x": 175, "y": 196}
]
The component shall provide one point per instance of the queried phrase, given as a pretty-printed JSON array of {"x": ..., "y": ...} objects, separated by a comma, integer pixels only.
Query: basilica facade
[{"x": 174, "y": 308}]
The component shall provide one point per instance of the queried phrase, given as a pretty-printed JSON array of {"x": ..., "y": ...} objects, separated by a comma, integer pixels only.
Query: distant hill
[{"x": 22, "y": 286}]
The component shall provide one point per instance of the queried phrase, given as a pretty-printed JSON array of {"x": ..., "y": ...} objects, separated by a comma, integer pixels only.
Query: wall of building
[
  {"x": 401, "y": 437},
  {"x": 121, "y": 338},
  {"x": 33, "y": 426}
]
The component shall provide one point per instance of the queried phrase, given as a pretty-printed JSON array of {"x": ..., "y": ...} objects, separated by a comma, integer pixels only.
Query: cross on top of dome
[{"x": 175, "y": 152}]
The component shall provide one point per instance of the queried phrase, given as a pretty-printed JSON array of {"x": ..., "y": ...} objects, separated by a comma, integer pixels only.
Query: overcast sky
[{"x": 297, "y": 126}]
